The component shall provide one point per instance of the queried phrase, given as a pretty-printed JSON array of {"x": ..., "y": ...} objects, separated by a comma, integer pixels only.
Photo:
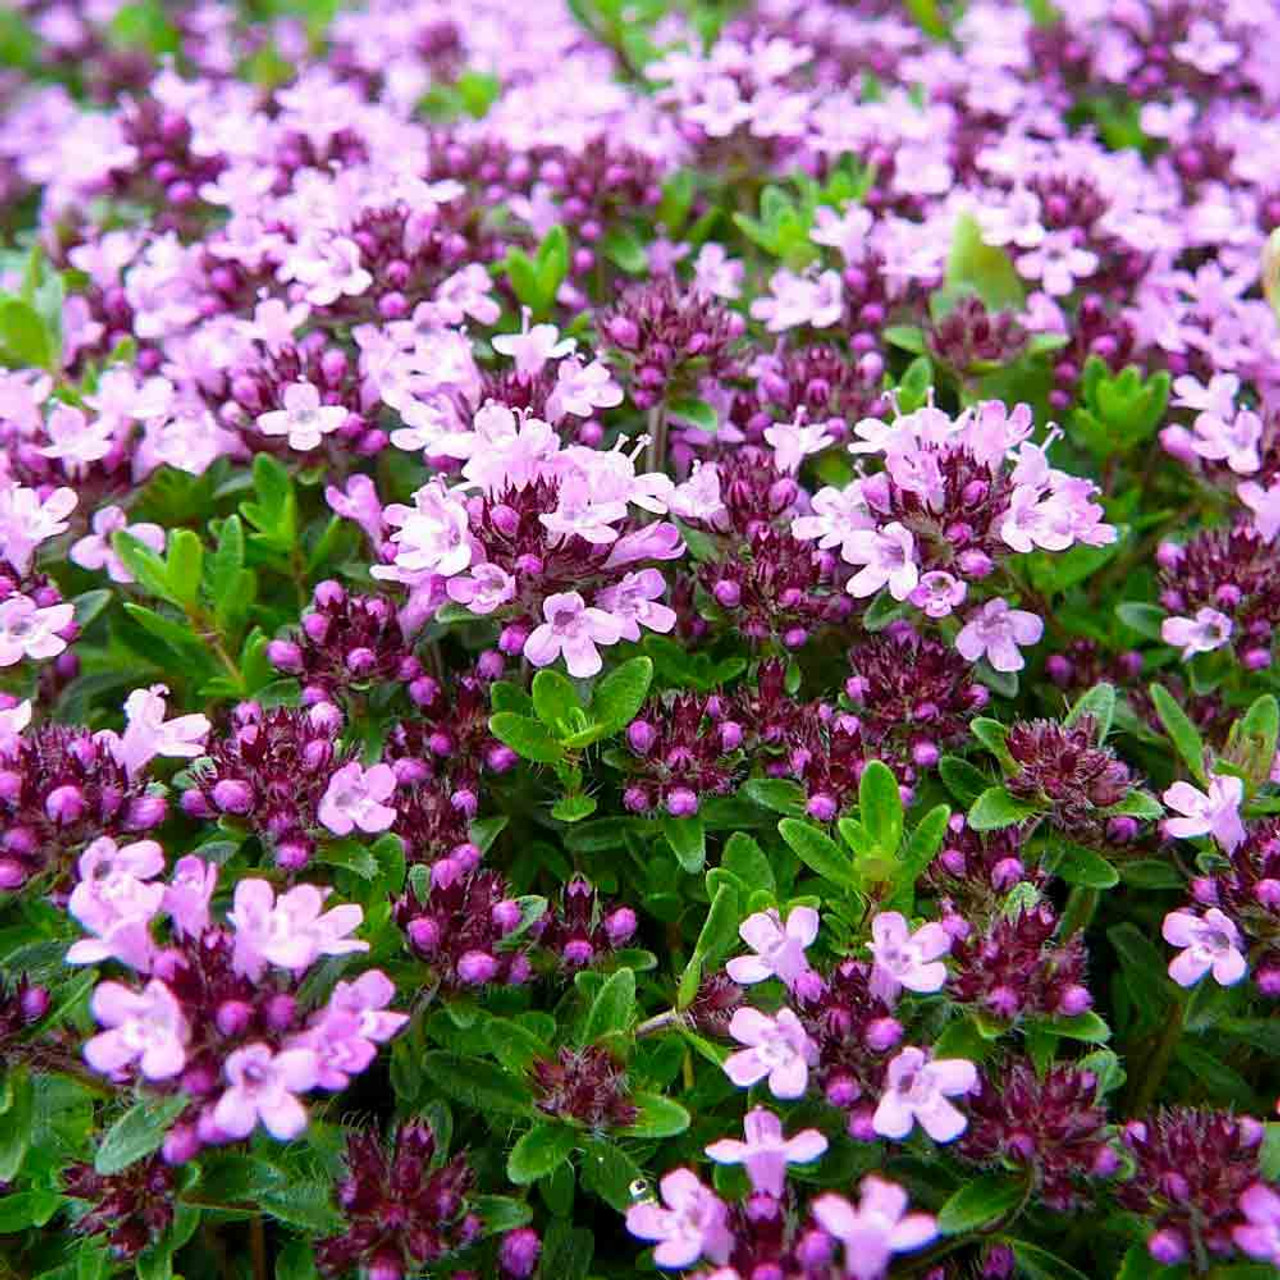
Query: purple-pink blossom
[
  {"x": 1215, "y": 812},
  {"x": 778, "y": 1049},
  {"x": 690, "y": 1223},
  {"x": 906, "y": 959},
  {"x": 766, "y": 1152},
  {"x": 999, "y": 633},
  {"x": 1259, "y": 1237},
  {"x": 147, "y": 1028},
  {"x": 916, "y": 1092},
  {"x": 1207, "y": 631},
  {"x": 1211, "y": 943},
  {"x": 291, "y": 931},
  {"x": 779, "y": 948},
  {"x": 573, "y": 629},
  {"x": 355, "y": 799},
  {"x": 28, "y": 630},
  {"x": 876, "y": 1228},
  {"x": 263, "y": 1087}
]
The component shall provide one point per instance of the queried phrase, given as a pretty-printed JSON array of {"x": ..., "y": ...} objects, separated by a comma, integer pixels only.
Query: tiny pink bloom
[
  {"x": 573, "y": 629},
  {"x": 359, "y": 502},
  {"x": 635, "y": 602},
  {"x": 888, "y": 559},
  {"x": 766, "y": 1153},
  {"x": 778, "y": 1048},
  {"x": 367, "y": 998},
  {"x": 874, "y": 1230},
  {"x": 188, "y": 894},
  {"x": 904, "y": 959},
  {"x": 433, "y": 534},
  {"x": 997, "y": 633},
  {"x": 792, "y": 442},
  {"x": 488, "y": 587},
  {"x": 290, "y": 932},
  {"x": 779, "y": 949},
  {"x": 531, "y": 348},
  {"x": 917, "y": 1089},
  {"x": 1260, "y": 1237},
  {"x": 939, "y": 593},
  {"x": 1216, "y": 813},
  {"x": 1207, "y": 631},
  {"x": 1265, "y": 505},
  {"x": 94, "y": 551},
  {"x": 114, "y": 901},
  {"x": 148, "y": 734},
  {"x": 1210, "y": 943},
  {"x": 147, "y": 1028},
  {"x": 29, "y": 631},
  {"x": 691, "y": 1222},
  {"x": 346, "y": 1034},
  {"x": 13, "y": 720},
  {"x": 304, "y": 420},
  {"x": 354, "y": 798},
  {"x": 263, "y": 1088},
  {"x": 581, "y": 389}
]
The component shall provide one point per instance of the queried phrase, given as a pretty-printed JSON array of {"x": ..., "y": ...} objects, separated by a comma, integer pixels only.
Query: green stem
[
  {"x": 1078, "y": 914},
  {"x": 1157, "y": 1064}
]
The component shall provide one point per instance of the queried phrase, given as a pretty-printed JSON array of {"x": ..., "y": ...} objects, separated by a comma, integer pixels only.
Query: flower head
[
  {"x": 916, "y": 1092},
  {"x": 1215, "y": 812},
  {"x": 778, "y": 1048},
  {"x": 876, "y": 1228},
  {"x": 263, "y": 1088},
  {"x": 303, "y": 420},
  {"x": 573, "y": 629},
  {"x": 147, "y": 1028},
  {"x": 355, "y": 798},
  {"x": 766, "y": 1152},
  {"x": 997, "y": 632},
  {"x": 690, "y": 1223},
  {"x": 1210, "y": 943},
  {"x": 906, "y": 959},
  {"x": 779, "y": 948}
]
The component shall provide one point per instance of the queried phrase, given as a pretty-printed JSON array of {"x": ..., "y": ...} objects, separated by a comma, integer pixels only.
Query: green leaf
[
  {"x": 574, "y": 808},
  {"x": 539, "y": 1152},
  {"x": 137, "y": 1133},
  {"x": 388, "y": 853},
  {"x": 526, "y": 737},
  {"x": 905, "y": 337},
  {"x": 1083, "y": 1026},
  {"x": 818, "y": 851},
  {"x": 476, "y": 1084},
  {"x": 748, "y": 861},
  {"x": 184, "y": 567},
  {"x": 1138, "y": 804},
  {"x": 613, "y": 1009},
  {"x": 983, "y": 269},
  {"x": 1262, "y": 1033},
  {"x": 994, "y": 736},
  {"x": 965, "y": 782},
  {"x": 978, "y": 1203},
  {"x": 501, "y": 1213},
  {"x": 779, "y": 794},
  {"x": 616, "y": 700},
  {"x": 880, "y": 807},
  {"x": 27, "y": 1209},
  {"x": 148, "y": 570},
  {"x": 718, "y": 934},
  {"x": 1145, "y": 619},
  {"x": 659, "y": 1117},
  {"x": 552, "y": 266},
  {"x": 1182, "y": 733},
  {"x": 1253, "y": 739},
  {"x": 296, "y": 1261},
  {"x": 1039, "y": 1264},
  {"x": 609, "y": 1172},
  {"x": 688, "y": 840},
  {"x": 697, "y": 413},
  {"x": 556, "y": 702},
  {"x": 1099, "y": 703},
  {"x": 995, "y": 809},
  {"x": 1077, "y": 865},
  {"x": 24, "y": 340},
  {"x": 16, "y": 1123},
  {"x": 922, "y": 847}
]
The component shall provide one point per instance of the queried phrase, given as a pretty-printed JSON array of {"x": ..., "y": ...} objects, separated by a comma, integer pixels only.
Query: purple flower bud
[
  {"x": 200, "y": 1079},
  {"x": 231, "y": 795},
  {"x": 998, "y": 1263},
  {"x": 506, "y": 914},
  {"x": 467, "y": 856},
  {"x": 975, "y": 564},
  {"x": 424, "y": 691},
  {"x": 519, "y": 970},
  {"x": 1003, "y": 1002},
  {"x": 861, "y": 1127},
  {"x": 1122, "y": 830},
  {"x": 145, "y": 812},
  {"x": 501, "y": 759},
  {"x": 465, "y": 801},
  {"x": 64, "y": 805},
  {"x": 424, "y": 934},
  {"x": 386, "y": 1266},
  {"x": 280, "y": 1011},
  {"x": 1167, "y": 1247},
  {"x": 12, "y": 874},
  {"x": 519, "y": 1252},
  {"x": 681, "y": 802},
  {"x": 284, "y": 655},
  {"x": 882, "y": 1034},
  {"x": 1074, "y": 1000},
  {"x": 361, "y": 661},
  {"x": 511, "y": 640},
  {"x": 10, "y": 785},
  {"x": 1267, "y": 892},
  {"x": 34, "y": 1004},
  {"x": 409, "y": 772},
  {"x": 636, "y": 800},
  {"x": 477, "y": 967},
  {"x": 822, "y": 807},
  {"x": 1256, "y": 659},
  {"x": 843, "y": 1091},
  {"x": 326, "y": 717},
  {"x": 316, "y": 627},
  {"x": 727, "y": 593},
  {"x": 1106, "y": 1163},
  {"x": 232, "y": 1016},
  {"x": 620, "y": 926},
  {"x": 815, "y": 1250},
  {"x": 181, "y": 1143},
  {"x": 1267, "y": 980},
  {"x": 293, "y": 855},
  {"x": 1006, "y": 873},
  {"x": 925, "y": 754},
  {"x": 641, "y": 736},
  {"x": 578, "y": 952}
]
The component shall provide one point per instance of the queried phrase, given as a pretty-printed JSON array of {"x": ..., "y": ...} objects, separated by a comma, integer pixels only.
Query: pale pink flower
[
  {"x": 146, "y": 1027},
  {"x": 573, "y": 629},
  {"x": 291, "y": 932},
  {"x": 1211, "y": 942},
  {"x": 699, "y": 497},
  {"x": 1058, "y": 262},
  {"x": 888, "y": 559},
  {"x": 1215, "y": 813},
  {"x": 834, "y": 515},
  {"x": 433, "y": 535},
  {"x": 13, "y": 720},
  {"x": 1205, "y": 49},
  {"x": 996, "y": 632},
  {"x": 792, "y": 442},
  {"x": 76, "y": 440},
  {"x": 716, "y": 274},
  {"x": 465, "y": 294},
  {"x": 581, "y": 389},
  {"x": 778, "y": 1048},
  {"x": 188, "y": 894},
  {"x": 531, "y": 348},
  {"x": 114, "y": 901},
  {"x": 304, "y": 420},
  {"x": 766, "y": 1152},
  {"x": 1236, "y": 441},
  {"x": 579, "y": 512},
  {"x": 1259, "y": 1237},
  {"x": 94, "y": 550},
  {"x": 660, "y": 541},
  {"x": 1217, "y": 398},
  {"x": 359, "y": 502},
  {"x": 795, "y": 300},
  {"x": 1207, "y": 631},
  {"x": 333, "y": 271},
  {"x": 263, "y": 1088},
  {"x": 721, "y": 109},
  {"x": 691, "y": 1222},
  {"x": 506, "y": 450},
  {"x": 1265, "y": 505},
  {"x": 846, "y": 232},
  {"x": 355, "y": 798},
  {"x": 488, "y": 587},
  {"x": 27, "y": 520},
  {"x": 148, "y": 734},
  {"x": 939, "y": 593},
  {"x": 906, "y": 959},
  {"x": 635, "y": 602},
  {"x": 779, "y": 949},
  {"x": 28, "y": 631},
  {"x": 916, "y": 1091},
  {"x": 346, "y": 1034},
  {"x": 874, "y": 1230}
]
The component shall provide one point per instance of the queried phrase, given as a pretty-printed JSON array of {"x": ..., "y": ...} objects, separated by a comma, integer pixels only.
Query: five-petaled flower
[
  {"x": 906, "y": 959},
  {"x": 1215, "y": 812},
  {"x": 779, "y": 1048},
  {"x": 690, "y": 1223},
  {"x": 876, "y": 1228},
  {"x": 1210, "y": 943},
  {"x": 916, "y": 1091},
  {"x": 766, "y": 1152}
]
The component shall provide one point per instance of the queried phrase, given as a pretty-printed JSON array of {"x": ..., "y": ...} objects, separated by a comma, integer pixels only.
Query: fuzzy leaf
[{"x": 539, "y": 1152}]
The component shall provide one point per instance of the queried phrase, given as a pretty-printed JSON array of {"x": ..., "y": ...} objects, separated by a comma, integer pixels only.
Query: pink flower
[
  {"x": 634, "y": 602},
  {"x": 348, "y": 1030},
  {"x": 939, "y": 593},
  {"x": 917, "y": 1089},
  {"x": 1211, "y": 943},
  {"x": 778, "y": 1048},
  {"x": 1058, "y": 262},
  {"x": 1216, "y": 813},
  {"x": 114, "y": 902},
  {"x": 291, "y": 932},
  {"x": 304, "y": 420},
  {"x": 359, "y": 502},
  {"x": 779, "y": 950},
  {"x": 13, "y": 720},
  {"x": 335, "y": 270},
  {"x": 147, "y": 1028},
  {"x": 888, "y": 557},
  {"x": 488, "y": 587},
  {"x": 721, "y": 109},
  {"x": 29, "y": 631},
  {"x": 1260, "y": 1237},
  {"x": 77, "y": 440},
  {"x": 716, "y": 274},
  {"x": 27, "y": 520},
  {"x": 581, "y": 389},
  {"x": 1207, "y": 631},
  {"x": 573, "y": 629},
  {"x": 766, "y": 1153},
  {"x": 996, "y": 632},
  {"x": 354, "y": 798},
  {"x": 465, "y": 294},
  {"x": 1265, "y": 505},
  {"x": 531, "y": 348},
  {"x": 904, "y": 959},
  {"x": 188, "y": 894},
  {"x": 792, "y": 442},
  {"x": 94, "y": 551},
  {"x": 691, "y": 1223},
  {"x": 263, "y": 1086},
  {"x": 433, "y": 534},
  {"x": 579, "y": 511},
  {"x": 877, "y": 1228},
  {"x": 148, "y": 734}
]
